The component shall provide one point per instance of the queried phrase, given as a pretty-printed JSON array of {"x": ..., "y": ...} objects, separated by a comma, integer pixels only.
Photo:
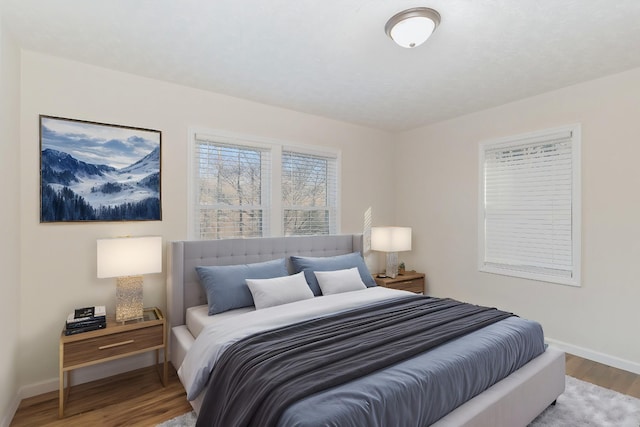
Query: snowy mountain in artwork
[{"x": 77, "y": 190}]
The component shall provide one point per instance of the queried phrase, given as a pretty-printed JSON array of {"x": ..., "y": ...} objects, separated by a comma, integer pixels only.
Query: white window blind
[
  {"x": 530, "y": 208},
  {"x": 231, "y": 189},
  {"x": 309, "y": 193}
]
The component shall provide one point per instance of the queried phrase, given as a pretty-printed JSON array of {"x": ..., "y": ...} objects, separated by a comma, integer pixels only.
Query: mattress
[
  {"x": 223, "y": 331},
  {"x": 197, "y": 318},
  {"x": 420, "y": 390}
]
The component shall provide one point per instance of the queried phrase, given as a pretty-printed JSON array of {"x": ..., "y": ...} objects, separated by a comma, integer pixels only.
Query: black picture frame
[{"x": 91, "y": 171}]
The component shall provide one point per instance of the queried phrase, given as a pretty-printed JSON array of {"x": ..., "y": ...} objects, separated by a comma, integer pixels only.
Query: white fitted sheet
[{"x": 198, "y": 317}]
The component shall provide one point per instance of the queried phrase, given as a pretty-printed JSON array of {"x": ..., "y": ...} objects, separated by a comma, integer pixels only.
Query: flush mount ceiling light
[{"x": 412, "y": 27}]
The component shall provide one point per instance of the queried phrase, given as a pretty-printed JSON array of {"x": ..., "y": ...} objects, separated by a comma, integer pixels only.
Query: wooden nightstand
[
  {"x": 409, "y": 281},
  {"x": 115, "y": 341}
]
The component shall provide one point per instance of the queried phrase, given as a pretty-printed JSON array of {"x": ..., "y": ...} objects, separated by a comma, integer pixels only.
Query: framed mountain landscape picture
[{"x": 98, "y": 172}]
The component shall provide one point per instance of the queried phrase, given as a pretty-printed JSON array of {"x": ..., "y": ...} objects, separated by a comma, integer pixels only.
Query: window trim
[
  {"x": 576, "y": 205},
  {"x": 276, "y": 214}
]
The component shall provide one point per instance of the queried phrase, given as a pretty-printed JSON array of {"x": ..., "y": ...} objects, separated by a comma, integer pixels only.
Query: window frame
[
  {"x": 275, "y": 226},
  {"x": 576, "y": 206},
  {"x": 334, "y": 210}
]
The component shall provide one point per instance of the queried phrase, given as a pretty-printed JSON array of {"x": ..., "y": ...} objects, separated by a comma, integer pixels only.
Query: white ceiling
[{"x": 332, "y": 57}]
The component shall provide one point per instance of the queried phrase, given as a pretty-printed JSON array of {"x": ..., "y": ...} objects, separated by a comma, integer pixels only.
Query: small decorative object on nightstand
[
  {"x": 116, "y": 341},
  {"x": 409, "y": 281}
]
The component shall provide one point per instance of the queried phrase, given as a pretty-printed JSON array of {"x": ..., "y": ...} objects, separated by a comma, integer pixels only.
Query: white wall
[
  {"x": 58, "y": 260},
  {"x": 9, "y": 223},
  {"x": 437, "y": 191}
]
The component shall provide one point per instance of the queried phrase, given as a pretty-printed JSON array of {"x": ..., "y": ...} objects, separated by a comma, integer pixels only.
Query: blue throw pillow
[
  {"x": 338, "y": 262},
  {"x": 225, "y": 285}
]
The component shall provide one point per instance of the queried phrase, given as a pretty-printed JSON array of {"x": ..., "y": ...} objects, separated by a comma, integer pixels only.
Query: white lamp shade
[
  {"x": 391, "y": 239},
  {"x": 129, "y": 256}
]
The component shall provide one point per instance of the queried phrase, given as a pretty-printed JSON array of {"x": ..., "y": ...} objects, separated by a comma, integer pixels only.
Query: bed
[{"x": 512, "y": 401}]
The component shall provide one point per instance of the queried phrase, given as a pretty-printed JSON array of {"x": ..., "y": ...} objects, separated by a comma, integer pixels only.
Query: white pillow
[
  {"x": 335, "y": 282},
  {"x": 279, "y": 290}
]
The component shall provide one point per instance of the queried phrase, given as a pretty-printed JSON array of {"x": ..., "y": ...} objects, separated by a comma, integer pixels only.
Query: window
[
  {"x": 231, "y": 190},
  {"x": 308, "y": 194},
  {"x": 529, "y": 214},
  {"x": 244, "y": 187}
]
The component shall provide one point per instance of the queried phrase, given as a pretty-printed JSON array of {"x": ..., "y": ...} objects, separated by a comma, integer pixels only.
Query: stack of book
[{"x": 86, "y": 319}]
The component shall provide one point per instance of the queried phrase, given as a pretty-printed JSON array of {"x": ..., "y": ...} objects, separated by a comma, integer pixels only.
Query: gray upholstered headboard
[{"x": 183, "y": 289}]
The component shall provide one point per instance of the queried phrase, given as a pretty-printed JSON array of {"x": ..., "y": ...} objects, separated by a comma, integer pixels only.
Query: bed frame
[{"x": 514, "y": 401}]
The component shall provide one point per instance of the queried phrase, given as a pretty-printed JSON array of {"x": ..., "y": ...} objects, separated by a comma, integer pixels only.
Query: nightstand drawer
[
  {"x": 409, "y": 281},
  {"x": 415, "y": 285},
  {"x": 107, "y": 346}
]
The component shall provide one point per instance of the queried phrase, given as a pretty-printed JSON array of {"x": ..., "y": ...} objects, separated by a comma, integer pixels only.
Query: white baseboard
[
  {"x": 596, "y": 356},
  {"x": 91, "y": 373},
  {"x": 11, "y": 411}
]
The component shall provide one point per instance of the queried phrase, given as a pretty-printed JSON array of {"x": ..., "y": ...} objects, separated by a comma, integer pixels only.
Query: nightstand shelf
[
  {"x": 409, "y": 281},
  {"x": 116, "y": 341}
]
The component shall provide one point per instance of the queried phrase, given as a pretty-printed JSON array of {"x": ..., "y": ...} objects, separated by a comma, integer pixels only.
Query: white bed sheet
[{"x": 197, "y": 318}]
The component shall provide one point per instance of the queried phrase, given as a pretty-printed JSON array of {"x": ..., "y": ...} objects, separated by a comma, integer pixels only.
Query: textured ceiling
[{"x": 332, "y": 57}]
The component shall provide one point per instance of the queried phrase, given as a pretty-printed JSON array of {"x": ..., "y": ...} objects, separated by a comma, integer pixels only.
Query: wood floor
[
  {"x": 605, "y": 376},
  {"x": 135, "y": 398},
  {"x": 138, "y": 399}
]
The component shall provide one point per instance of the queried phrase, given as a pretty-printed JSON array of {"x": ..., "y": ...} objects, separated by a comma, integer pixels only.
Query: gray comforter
[{"x": 317, "y": 372}]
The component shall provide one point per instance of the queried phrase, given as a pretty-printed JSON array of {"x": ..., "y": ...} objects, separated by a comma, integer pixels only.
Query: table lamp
[
  {"x": 128, "y": 258},
  {"x": 391, "y": 240}
]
